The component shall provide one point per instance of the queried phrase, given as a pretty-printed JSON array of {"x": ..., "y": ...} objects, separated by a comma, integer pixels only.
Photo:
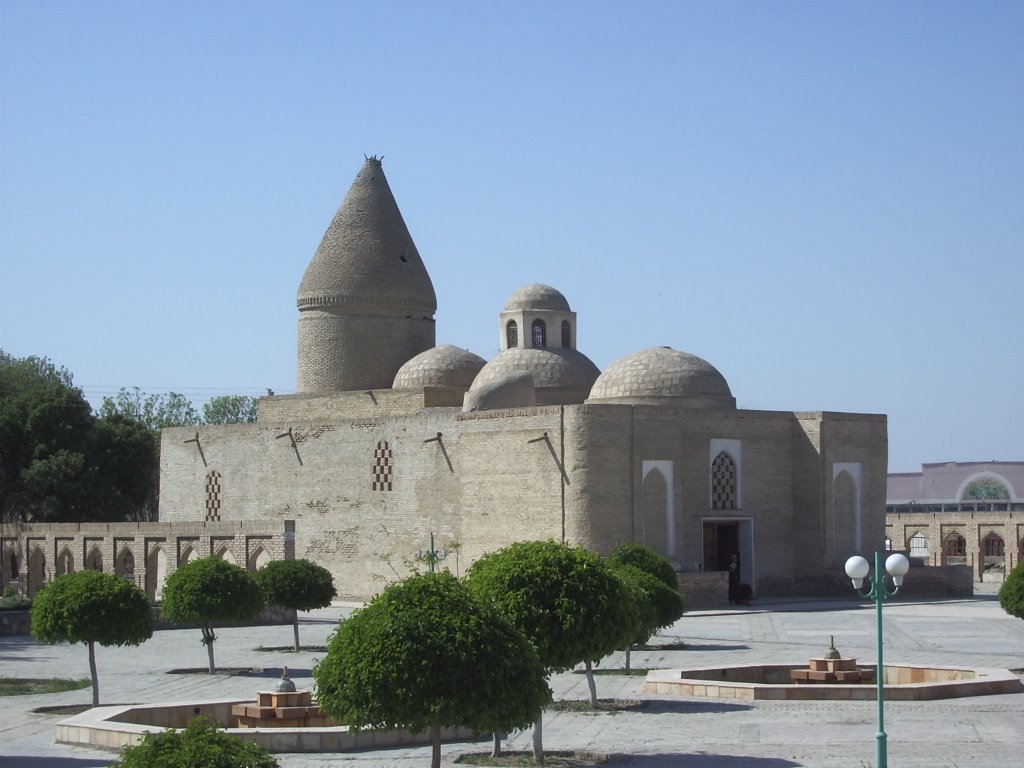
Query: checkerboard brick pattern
[
  {"x": 213, "y": 497},
  {"x": 382, "y": 467}
]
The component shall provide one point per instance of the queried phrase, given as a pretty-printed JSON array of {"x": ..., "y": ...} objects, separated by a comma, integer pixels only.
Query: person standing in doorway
[{"x": 734, "y": 577}]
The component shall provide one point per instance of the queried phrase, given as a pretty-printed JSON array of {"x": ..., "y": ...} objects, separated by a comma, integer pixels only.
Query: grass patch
[
  {"x": 679, "y": 645},
  {"x": 27, "y": 686},
  {"x": 633, "y": 671},
  {"x": 551, "y": 759},
  {"x": 290, "y": 648},
  {"x": 603, "y": 705}
]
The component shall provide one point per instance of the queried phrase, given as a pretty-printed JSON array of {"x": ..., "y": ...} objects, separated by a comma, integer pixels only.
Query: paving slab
[{"x": 664, "y": 733}]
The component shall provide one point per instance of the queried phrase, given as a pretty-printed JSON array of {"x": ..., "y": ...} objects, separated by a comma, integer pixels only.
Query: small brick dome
[
  {"x": 442, "y": 366},
  {"x": 537, "y": 296},
  {"x": 560, "y": 376},
  {"x": 663, "y": 374}
]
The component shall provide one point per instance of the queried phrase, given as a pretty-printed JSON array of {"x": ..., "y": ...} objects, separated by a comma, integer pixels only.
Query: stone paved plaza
[{"x": 697, "y": 733}]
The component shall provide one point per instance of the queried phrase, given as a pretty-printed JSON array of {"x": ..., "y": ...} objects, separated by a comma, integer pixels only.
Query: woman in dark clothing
[{"x": 734, "y": 577}]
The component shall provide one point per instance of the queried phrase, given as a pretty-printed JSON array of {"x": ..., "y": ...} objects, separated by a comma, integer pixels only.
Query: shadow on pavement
[
  {"x": 697, "y": 760},
  {"x": 25, "y": 761},
  {"x": 244, "y": 671},
  {"x": 695, "y": 707}
]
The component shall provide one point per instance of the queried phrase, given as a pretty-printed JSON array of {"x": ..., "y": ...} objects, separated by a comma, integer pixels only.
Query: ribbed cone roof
[{"x": 367, "y": 257}]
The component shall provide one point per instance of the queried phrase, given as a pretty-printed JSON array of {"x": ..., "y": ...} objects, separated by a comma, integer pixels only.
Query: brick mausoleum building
[{"x": 391, "y": 438}]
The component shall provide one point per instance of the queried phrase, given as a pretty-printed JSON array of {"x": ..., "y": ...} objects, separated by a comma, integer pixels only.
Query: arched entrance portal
[{"x": 722, "y": 537}]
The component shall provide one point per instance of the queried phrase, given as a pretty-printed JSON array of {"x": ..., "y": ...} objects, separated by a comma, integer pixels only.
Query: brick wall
[{"x": 484, "y": 479}]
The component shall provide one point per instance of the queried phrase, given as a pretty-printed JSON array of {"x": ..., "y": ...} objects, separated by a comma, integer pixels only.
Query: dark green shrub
[
  {"x": 646, "y": 559},
  {"x": 1011, "y": 594},
  {"x": 202, "y": 744},
  {"x": 11, "y": 601}
]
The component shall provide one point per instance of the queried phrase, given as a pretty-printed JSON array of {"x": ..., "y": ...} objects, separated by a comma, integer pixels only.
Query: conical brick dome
[
  {"x": 367, "y": 256},
  {"x": 366, "y": 303}
]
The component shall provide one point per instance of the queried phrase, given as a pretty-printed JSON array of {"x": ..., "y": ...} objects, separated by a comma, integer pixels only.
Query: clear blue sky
[{"x": 825, "y": 200}]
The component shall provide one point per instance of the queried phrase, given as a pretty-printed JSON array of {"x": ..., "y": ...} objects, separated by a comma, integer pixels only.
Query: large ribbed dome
[
  {"x": 367, "y": 257},
  {"x": 560, "y": 376},
  {"x": 663, "y": 374},
  {"x": 443, "y": 366},
  {"x": 537, "y": 296}
]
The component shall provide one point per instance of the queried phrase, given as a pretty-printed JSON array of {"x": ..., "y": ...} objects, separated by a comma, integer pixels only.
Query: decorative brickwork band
[
  {"x": 382, "y": 468},
  {"x": 213, "y": 497},
  {"x": 723, "y": 482}
]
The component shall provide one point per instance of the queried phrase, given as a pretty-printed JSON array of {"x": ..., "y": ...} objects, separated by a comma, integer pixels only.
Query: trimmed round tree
[
  {"x": 657, "y": 605},
  {"x": 1011, "y": 594},
  {"x": 424, "y": 655},
  {"x": 299, "y": 585},
  {"x": 646, "y": 559},
  {"x": 210, "y": 590},
  {"x": 92, "y": 607},
  {"x": 565, "y": 600},
  {"x": 202, "y": 743}
]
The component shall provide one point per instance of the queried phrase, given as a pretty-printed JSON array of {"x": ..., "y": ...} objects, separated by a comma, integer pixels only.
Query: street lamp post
[
  {"x": 857, "y": 569},
  {"x": 432, "y": 556}
]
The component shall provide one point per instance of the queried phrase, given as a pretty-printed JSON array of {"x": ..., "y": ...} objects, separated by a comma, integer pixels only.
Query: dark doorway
[{"x": 720, "y": 541}]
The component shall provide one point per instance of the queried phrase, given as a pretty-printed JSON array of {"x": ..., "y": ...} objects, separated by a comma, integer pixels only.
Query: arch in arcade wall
[
  {"x": 65, "y": 562},
  {"x": 36, "y": 571},
  {"x": 156, "y": 573}
]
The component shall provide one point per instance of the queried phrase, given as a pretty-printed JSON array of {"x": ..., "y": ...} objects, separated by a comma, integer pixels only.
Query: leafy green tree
[
  {"x": 126, "y": 457},
  {"x": 60, "y": 463},
  {"x": 657, "y": 605},
  {"x": 668, "y": 602},
  {"x": 45, "y": 425},
  {"x": 231, "y": 409},
  {"x": 135, "y": 416},
  {"x": 201, "y": 745},
  {"x": 646, "y": 559},
  {"x": 424, "y": 655},
  {"x": 91, "y": 607},
  {"x": 565, "y": 600},
  {"x": 155, "y": 411},
  {"x": 211, "y": 590},
  {"x": 1011, "y": 594},
  {"x": 300, "y": 585}
]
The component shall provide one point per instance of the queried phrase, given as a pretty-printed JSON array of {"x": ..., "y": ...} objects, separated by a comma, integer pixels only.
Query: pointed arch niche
[
  {"x": 725, "y": 480},
  {"x": 36, "y": 571},
  {"x": 658, "y": 525},
  {"x": 225, "y": 554},
  {"x": 156, "y": 573},
  {"x": 539, "y": 333},
  {"x": 65, "y": 562},
  {"x": 124, "y": 565},
  {"x": 94, "y": 559},
  {"x": 844, "y": 524},
  {"x": 258, "y": 558},
  {"x": 511, "y": 334}
]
